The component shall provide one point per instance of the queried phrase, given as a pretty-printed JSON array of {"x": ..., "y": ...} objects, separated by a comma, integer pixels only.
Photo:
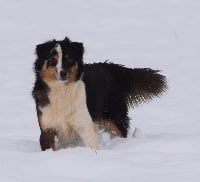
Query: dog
[{"x": 74, "y": 99}]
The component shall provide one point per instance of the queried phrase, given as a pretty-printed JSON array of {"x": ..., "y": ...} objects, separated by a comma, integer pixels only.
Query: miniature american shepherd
[{"x": 74, "y": 100}]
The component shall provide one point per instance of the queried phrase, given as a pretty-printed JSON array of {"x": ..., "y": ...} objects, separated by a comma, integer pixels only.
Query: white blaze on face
[{"x": 59, "y": 65}]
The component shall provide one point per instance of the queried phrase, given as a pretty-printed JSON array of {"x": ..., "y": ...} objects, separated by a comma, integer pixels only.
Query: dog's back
[{"x": 112, "y": 88}]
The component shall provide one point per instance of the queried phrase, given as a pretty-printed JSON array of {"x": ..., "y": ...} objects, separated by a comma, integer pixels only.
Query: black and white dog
[{"x": 74, "y": 99}]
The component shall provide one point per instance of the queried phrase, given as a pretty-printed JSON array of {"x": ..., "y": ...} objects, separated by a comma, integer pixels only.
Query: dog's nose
[{"x": 63, "y": 73}]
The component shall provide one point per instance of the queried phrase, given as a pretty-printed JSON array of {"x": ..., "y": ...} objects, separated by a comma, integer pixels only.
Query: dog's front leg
[
  {"x": 89, "y": 135},
  {"x": 47, "y": 136},
  {"x": 47, "y": 139}
]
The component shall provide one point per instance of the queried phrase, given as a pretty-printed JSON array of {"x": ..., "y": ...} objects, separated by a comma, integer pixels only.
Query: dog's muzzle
[{"x": 64, "y": 76}]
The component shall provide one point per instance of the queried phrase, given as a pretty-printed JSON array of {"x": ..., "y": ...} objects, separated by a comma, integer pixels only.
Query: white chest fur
[
  {"x": 66, "y": 102},
  {"x": 68, "y": 114}
]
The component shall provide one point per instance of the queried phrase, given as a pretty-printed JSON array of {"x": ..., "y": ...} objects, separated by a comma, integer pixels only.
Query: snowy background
[{"x": 137, "y": 33}]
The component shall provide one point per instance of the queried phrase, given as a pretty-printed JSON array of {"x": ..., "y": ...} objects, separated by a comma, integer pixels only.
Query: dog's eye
[
  {"x": 70, "y": 62},
  {"x": 52, "y": 62}
]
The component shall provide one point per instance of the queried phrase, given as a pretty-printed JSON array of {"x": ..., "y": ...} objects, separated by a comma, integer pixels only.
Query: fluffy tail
[{"x": 139, "y": 85}]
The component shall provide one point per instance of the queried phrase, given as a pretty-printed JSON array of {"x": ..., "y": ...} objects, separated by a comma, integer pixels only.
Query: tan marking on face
[
  {"x": 49, "y": 73},
  {"x": 73, "y": 73},
  {"x": 112, "y": 128}
]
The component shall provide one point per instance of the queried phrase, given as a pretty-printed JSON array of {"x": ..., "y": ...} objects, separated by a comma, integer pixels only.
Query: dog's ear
[
  {"x": 66, "y": 40},
  {"x": 43, "y": 50},
  {"x": 78, "y": 49}
]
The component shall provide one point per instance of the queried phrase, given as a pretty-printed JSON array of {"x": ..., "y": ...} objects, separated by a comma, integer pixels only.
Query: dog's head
[{"x": 59, "y": 61}]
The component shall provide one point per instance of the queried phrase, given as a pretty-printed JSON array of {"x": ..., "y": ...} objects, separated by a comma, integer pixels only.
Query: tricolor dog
[{"x": 74, "y": 99}]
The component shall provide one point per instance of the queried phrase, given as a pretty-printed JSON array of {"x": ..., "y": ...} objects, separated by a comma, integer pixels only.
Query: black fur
[{"x": 110, "y": 88}]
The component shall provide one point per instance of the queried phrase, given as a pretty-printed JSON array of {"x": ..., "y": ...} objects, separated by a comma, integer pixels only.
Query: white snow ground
[{"x": 137, "y": 33}]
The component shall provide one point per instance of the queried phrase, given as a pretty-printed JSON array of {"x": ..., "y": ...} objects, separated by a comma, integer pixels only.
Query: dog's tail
[{"x": 139, "y": 85}]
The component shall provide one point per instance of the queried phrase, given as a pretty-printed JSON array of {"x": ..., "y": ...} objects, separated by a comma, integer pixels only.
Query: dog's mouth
[{"x": 64, "y": 80}]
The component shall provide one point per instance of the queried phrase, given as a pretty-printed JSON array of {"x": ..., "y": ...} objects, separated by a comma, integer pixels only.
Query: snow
[{"x": 137, "y": 33}]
